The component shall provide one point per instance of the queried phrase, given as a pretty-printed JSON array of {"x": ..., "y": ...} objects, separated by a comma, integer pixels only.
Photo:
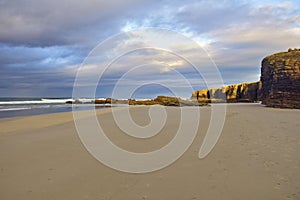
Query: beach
[{"x": 256, "y": 157}]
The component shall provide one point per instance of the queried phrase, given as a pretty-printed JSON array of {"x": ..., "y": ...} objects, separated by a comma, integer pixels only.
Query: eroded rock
[{"x": 280, "y": 77}]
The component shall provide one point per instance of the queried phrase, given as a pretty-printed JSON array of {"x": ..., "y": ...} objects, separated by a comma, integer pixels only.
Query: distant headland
[{"x": 279, "y": 86}]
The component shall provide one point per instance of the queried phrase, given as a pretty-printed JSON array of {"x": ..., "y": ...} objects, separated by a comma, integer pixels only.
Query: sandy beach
[{"x": 256, "y": 157}]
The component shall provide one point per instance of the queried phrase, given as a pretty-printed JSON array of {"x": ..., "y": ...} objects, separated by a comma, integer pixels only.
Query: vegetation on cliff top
[{"x": 284, "y": 55}]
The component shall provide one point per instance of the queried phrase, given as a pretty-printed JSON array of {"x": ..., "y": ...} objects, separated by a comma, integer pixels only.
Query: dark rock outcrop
[
  {"x": 111, "y": 101},
  {"x": 99, "y": 101},
  {"x": 160, "y": 100},
  {"x": 280, "y": 77},
  {"x": 166, "y": 101},
  {"x": 244, "y": 92}
]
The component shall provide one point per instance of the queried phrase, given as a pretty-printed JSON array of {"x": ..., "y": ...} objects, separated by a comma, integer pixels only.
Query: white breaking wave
[
  {"x": 42, "y": 101},
  {"x": 102, "y": 99},
  {"x": 142, "y": 99},
  {"x": 56, "y": 100},
  {"x": 85, "y": 100},
  {"x": 12, "y": 109}
]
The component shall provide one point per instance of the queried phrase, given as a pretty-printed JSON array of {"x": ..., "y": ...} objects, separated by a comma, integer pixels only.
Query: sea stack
[{"x": 280, "y": 77}]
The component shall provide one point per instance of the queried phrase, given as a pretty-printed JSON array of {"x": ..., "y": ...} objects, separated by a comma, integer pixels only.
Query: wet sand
[{"x": 256, "y": 157}]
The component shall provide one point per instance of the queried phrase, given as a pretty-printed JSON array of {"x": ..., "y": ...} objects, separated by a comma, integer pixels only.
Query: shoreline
[
  {"x": 100, "y": 107},
  {"x": 81, "y": 107},
  {"x": 50, "y": 110},
  {"x": 256, "y": 157}
]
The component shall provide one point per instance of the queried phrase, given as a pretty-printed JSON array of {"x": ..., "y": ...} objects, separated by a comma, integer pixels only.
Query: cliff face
[
  {"x": 279, "y": 85},
  {"x": 245, "y": 92},
  {"x": 280, "y": 77}
]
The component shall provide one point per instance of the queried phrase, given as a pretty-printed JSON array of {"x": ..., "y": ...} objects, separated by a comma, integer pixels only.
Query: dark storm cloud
[
  {"x": 33, "y": 82},
  {"x": 65, "y": 22},
  {"x": 38, "y": 57}
]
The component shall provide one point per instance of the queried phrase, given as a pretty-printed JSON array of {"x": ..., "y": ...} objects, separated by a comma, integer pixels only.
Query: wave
[
  {"x": 14, "y": 109},
  {"x": 82, "y": 100},
  {"x": 42, "y": 101},
  {"x": 56, "y": 100},
  {"x": 143, "y": 99},
  {"x": 20, "y": 107}
]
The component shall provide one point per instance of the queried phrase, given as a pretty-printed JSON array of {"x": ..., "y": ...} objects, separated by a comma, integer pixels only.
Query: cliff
[
  {"x": 244, "y": 92},
  {"x": 280, "y": 77},
  {"x": 279, "y": 85}
]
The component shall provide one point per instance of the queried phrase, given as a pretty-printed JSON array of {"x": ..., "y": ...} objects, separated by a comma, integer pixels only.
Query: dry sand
[{"x": 256, "y": 157}]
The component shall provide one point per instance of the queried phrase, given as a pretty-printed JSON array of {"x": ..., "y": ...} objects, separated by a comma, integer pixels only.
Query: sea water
[{"x": 14, "y": 107}]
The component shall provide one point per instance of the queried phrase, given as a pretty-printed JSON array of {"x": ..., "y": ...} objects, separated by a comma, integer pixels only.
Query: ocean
[{"x": 15, "y": 107}]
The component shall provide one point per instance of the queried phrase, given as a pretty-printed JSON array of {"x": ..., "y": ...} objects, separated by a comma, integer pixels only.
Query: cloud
[
  {"x": 38, "y": 57},
  {"x": 43, "y": 43},
  {"x": 65, "y": 22},
  {"x": 33, "y": 82}
]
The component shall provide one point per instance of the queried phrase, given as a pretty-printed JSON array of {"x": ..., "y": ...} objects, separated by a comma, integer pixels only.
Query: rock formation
[
  {"x": 166, "y": 101},
  {"x": 280, "y": 77},
  {"x": 159, "y": 100},
  {"x": 110, "y": 101},
  {"x": 245, "y": 92},
  {"x": 279, "y": 85}
]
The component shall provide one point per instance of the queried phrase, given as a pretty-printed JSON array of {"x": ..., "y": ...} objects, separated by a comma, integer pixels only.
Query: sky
[{"x": 45, "y": 44}]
